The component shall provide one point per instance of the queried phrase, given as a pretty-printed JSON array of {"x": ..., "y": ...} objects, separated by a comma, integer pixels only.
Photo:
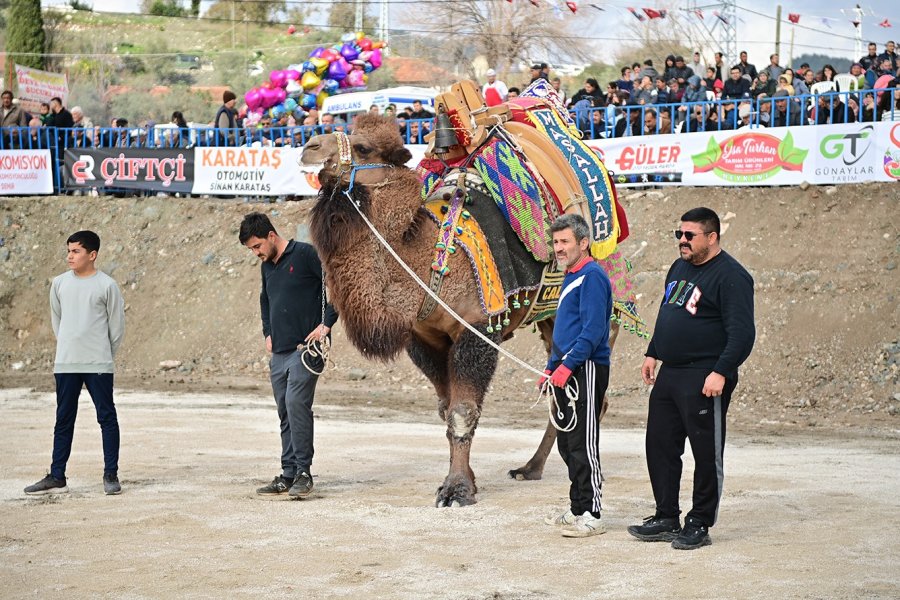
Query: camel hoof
[
  {"x": 525, "y": 474},
  {"x": 454, "y": 496}
]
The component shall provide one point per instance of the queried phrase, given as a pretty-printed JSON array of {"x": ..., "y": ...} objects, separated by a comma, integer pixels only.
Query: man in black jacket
[
  {"x": 704, "y": 331},
  {"x": 736, "y": 88},
  {"x": 293, "y": 316}
]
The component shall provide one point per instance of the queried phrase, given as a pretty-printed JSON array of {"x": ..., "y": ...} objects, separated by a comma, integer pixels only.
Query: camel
[{"x": 379, "y": 302}]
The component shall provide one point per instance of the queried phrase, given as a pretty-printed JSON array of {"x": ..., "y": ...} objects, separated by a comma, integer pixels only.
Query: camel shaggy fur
[{"x": 378, "y": 301}]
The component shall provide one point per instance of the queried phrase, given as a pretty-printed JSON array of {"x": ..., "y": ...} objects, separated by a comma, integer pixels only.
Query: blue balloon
[
  {"x": 299, "y": 114},
  {"x": 308, "y": 101},
  {"x": 331, "y": 86},
  {"x": 368, "y": 68},
  {"x": 308, "y": 66},
  {"x": 290, "y": 104},
  {"x": 277, "y": 111}
]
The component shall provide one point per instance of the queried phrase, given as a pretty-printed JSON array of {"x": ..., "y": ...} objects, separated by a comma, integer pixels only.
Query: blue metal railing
[{"x": 595, "y": 123}]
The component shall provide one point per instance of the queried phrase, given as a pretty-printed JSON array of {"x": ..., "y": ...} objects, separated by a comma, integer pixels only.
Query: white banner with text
[
  {"x": 25, "y": 172},
  {"x": 820, "y": 155}
]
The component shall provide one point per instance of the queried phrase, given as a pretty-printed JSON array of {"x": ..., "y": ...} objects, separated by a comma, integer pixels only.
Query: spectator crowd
[{"x": 681, "y": 96}]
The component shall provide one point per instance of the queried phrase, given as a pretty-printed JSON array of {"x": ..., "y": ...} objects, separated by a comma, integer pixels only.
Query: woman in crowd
[{"x": 828, "y": 73}]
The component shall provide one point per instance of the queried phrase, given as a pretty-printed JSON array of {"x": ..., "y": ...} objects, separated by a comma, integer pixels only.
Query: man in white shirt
[{"x": 495, "y": 84}]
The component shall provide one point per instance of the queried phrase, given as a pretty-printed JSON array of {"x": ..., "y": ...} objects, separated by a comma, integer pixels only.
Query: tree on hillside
[
  {"x": 342, "y": 17},
  {"x": 4, "y": 4},
  {"x": 195, "y": 8},
  {"x": 25, "y": 41},
  {"x": 262, "y": 11},
  {"x": 503, "y": 33}
]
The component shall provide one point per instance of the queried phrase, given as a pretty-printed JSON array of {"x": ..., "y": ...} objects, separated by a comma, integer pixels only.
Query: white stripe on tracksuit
[{"x": 592, "y": 434}]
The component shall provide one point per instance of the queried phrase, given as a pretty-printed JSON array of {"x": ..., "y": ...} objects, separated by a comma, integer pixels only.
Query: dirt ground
[
  {"x": 802, "y": 516},
  {"x": 814, "y": 427}
]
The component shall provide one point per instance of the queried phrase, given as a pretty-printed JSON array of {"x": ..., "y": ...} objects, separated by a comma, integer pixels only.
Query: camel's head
[{"x": 375, "y": 140}]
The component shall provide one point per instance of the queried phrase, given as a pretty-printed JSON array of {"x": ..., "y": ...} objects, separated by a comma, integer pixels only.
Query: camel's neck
[{"x": 357, "y": 267}]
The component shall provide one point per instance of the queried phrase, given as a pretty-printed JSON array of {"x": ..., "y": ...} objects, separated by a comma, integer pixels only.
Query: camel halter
[{"x": 345, "y": 160}]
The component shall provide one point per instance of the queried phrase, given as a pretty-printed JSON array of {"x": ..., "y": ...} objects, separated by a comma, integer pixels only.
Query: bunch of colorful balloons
[{"x": 343, "y": 67}]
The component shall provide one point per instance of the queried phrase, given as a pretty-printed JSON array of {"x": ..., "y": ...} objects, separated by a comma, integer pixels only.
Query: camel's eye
[{"x": 362, "y": 149}]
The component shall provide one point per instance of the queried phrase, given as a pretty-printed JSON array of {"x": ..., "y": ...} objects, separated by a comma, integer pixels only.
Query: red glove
[
  {"x": 561, "y": 376},
  {"x": 540, "y": 383}
]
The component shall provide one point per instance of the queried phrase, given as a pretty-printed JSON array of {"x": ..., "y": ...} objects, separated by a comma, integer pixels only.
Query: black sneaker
[
  {"x": 694, "y": 535},
  {"x": 656, "y": 529},
  {"x": 111, "y": 484},
  {"x": 48, "y": 485},
  {"x": 279, "y": 485},
  {"x": 303, "y": 485}
]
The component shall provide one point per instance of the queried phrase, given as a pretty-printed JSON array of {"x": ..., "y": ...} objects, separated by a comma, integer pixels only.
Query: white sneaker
[
  {"x": 585, "y": 525},
  {"x": 563, "y": 520}
]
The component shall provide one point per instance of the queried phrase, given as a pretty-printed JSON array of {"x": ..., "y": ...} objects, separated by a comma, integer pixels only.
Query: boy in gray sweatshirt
[{"x": 88, "y": 317}]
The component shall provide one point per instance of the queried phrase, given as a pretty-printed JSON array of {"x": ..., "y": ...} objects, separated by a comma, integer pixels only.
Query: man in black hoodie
[{"x": 704, "y": 331}]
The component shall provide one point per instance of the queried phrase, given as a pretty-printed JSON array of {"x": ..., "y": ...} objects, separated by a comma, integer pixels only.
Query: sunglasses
[{"x": 688, "y": 235}]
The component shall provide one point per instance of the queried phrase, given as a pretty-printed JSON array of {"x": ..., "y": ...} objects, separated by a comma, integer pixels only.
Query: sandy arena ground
[{"x": 802, "y": 516}]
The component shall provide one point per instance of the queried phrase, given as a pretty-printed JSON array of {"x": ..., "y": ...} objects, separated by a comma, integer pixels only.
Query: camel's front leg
[{"x": 472, "y": 365}]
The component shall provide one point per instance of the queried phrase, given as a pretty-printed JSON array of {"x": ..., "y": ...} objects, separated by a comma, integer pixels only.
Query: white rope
[
  {"x": 316, "y": 349},
  {"x": 571, "y": 385}
]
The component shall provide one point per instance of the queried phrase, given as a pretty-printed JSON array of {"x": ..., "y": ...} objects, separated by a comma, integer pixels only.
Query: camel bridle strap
[{"x": 345, "y": 162}]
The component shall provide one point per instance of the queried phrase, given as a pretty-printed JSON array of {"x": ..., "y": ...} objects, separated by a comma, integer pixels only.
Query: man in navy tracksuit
[
  {"x": 704, "y": 332},
  {"x": 580, "y": 358}
]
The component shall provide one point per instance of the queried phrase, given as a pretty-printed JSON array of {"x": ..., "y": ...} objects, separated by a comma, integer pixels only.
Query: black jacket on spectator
[
  {"x": 637, "y": 128},
  {"x": 867, "y": 61},
  {"x": 682, "y": 73},
  {"x": 747, "y": 69},
  {"x": 64, "y": 121},
  {"x": 735, "y": 90},
  {"x": 781, "y": 119}
]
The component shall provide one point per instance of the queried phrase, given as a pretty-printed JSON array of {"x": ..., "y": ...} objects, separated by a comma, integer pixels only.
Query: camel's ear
[{"x": 399, "y": 156}]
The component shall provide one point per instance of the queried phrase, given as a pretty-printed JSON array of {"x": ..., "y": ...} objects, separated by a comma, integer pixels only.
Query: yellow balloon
[
  {"x": 376, "y": 45},
  {"x": 320, "y": 99},
  {"x": 309, "y": 80},
  {"x": 360, "y": 35},
  {"x": 321, "y": 65}
]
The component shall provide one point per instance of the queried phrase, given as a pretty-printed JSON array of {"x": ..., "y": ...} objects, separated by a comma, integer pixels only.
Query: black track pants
[
  {"x": 580, "y": 448},
  {"x": 679, "y": 410}
]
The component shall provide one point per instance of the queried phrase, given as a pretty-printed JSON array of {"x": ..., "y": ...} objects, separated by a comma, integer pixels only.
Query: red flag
[
  {"x": 653, "y": 14},
  {"x": 720, "y": 17},
  {"x": 793, "y": 17},
  {"x": 699, "y": 13},
  {"x": 885, "y": 23},
  {"x": 636, "y": 14},
  {"x": 572, "y": 6}
]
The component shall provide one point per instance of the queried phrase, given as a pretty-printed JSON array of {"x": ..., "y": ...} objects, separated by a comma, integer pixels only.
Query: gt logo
[
  {"x": 833, "y": 146},
  {"x": 83, "y": 168}
]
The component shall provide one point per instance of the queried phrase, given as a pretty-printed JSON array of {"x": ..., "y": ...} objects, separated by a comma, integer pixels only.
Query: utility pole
[
  {"x": 232, "y": 24},
  {"x": 385, "y": 28},
  {"x": 778, "y": 29},
  {"x": 360, "y": 10}
]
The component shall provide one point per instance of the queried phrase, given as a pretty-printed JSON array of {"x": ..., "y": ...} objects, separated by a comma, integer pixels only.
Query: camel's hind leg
[
  {"x": 471, "y": 367},
  {"x": 534, "y": 468}
]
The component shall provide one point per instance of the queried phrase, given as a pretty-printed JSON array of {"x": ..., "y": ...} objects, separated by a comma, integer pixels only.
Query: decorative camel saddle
[{"x": 494, "y": 179}]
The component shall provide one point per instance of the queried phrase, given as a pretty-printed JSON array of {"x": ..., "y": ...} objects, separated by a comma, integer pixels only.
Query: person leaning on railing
[{"x": 12, "y": 116}]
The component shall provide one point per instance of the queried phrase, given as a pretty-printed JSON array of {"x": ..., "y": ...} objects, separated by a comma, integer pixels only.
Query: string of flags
[{"x": 645, "y": 14}]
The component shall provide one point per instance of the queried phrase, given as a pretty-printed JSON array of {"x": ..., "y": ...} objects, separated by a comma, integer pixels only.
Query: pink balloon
[
  {"x": 278, "y": 78},
  {"x": 293, "y": 74},
  {"x": 365, "y": 55},
  {"x": 280, "y": 95},
  {"x": 375, "y": 59},
  {"x": 355, "y": 78},
  {"x": 330, "y": 54},
  {"x": 269, "y": 98},
  {"x": 252, "y": 98},
  {"x": 364, "y": 44}
]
